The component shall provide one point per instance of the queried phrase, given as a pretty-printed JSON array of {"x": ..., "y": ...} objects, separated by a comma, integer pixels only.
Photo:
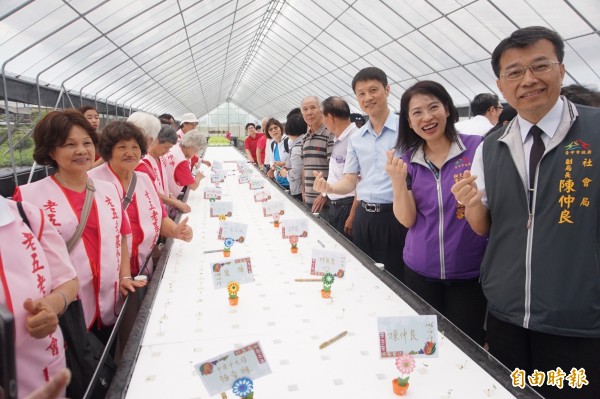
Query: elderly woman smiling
[{"x": 122, "y": 146}]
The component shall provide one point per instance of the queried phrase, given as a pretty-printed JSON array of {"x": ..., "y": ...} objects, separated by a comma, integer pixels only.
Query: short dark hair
[
  {"x": 120, "y": 131},
  {"x": 482, "y": 102},
  {"x": 579, "y": 94},
  {"x": 336, "y": 106},
  {"x": 295, "y": 125},
  {"x": 167, "y": 117},
  {"x": 270, "y": 122},
  {"x": 370, "y": 73},
  {"x": 407, "y": 138},
  {"x": 508, "y": 114},
  {"x": 53, "y": 130},
  {"x": 249, "y": 124},
  {"x": 86, "y": 108},
  {"x": 167, "y": 134},
  {"x": 525, "y": 37},
  {"x": 294, "y": 111}
]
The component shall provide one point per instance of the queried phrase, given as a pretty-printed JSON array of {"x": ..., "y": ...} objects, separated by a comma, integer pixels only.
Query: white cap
[{"x": 189, "y": 117}]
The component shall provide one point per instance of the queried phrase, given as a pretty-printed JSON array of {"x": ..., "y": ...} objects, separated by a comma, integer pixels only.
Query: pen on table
[
  {"x": 332, "y": 340},
  {"x": 210, "y": 251},
  {"x": 320, "y": 243},
  {"x": 306, "y": 280}
]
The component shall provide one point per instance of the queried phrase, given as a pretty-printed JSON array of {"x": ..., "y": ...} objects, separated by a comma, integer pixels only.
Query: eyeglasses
[
  {"x": 536, "y": 68},
  {"x": 273, "y": 128},
  {"x": 500, "y": 107}
]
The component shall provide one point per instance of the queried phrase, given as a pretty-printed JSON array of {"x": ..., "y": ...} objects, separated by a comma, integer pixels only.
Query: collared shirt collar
[
  {"x": 6, "y": 216},
  {"x": 549, "y": 123},
  {"x": 318, "y": 131},
  {"x": 345, "y": 133},
  {"x": 391, "y": 123}
]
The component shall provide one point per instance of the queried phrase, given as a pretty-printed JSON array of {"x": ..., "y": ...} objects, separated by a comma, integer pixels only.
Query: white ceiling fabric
[{"x": 178, "y": 56}]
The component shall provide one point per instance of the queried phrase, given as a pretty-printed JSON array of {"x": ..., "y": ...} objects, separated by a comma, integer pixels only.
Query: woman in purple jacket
[{"x": 442, "y": 255}]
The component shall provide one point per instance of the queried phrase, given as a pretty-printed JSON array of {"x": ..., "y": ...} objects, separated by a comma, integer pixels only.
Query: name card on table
[
  {"x": 221, "y": 208},
  {"x": 262, "y": 196},
  {"x": 243, "y": 166},
  {"x": 217, "y": 165},
  {"x": 235, "y": 231},
  {"x": 256, "y": 184},
  {"x": 226, "y": 271},
  {"x": 328, "y": 261},
  {"x": 415, "y": 335},
  {"x": 244, "y": 178},
  {"x": 272, "y": 207},
  {"x": 294, "y": 227},
  {"x": 247, "y": 169},
  {"x": 219, "y": 373},
  {"x": 213, "y": 193},
  {"x": 218, "y": 177}
]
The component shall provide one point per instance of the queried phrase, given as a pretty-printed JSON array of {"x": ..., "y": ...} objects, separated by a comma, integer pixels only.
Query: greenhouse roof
[{"x": 177, "y": 56}]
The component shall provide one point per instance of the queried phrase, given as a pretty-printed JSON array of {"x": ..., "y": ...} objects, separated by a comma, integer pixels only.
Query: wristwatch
[{"x": 324, "y": 195}]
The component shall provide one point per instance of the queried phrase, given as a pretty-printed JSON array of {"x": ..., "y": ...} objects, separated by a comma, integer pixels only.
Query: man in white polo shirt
[{"x": 336, "y": 114}]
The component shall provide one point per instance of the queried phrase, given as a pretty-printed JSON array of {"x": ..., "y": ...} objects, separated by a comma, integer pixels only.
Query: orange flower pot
[
  {"x": 275, "y": 224},
  {"x": 226, "y": 254},
  {"x": 233, "y": 301},
  {"x": 325, "y": 294},
  {"x": 398, "y": 389},
  {"x": 294, "y": 250}
]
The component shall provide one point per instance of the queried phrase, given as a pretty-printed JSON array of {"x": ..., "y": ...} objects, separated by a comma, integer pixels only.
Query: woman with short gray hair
[{"x": 178, "y": 162}]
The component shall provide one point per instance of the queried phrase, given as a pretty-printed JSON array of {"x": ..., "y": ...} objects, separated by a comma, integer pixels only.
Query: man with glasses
[
  {"x": 534, "y": 189},
  {"x": 486, "y": 110}
]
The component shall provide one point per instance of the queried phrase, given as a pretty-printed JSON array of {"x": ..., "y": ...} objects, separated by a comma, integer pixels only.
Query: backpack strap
[
  {"x": 85, "y": 212},
  {"x": 130, "y": 191},
  {"x": 286, "y": 144},
  {"x": 23, "y": 215}
]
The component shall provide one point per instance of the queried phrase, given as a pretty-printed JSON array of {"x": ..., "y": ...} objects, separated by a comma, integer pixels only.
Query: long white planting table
[{"x": 184, "y": 320}]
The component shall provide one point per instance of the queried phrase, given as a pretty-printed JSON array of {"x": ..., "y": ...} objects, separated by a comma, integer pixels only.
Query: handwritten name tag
[
  {"x": 273, "y": 207},
  {"x": 218, "y": 177},
  {"x": 213, "y": 193},
  {"x": 244, "y": 178},
  {"x": 219, "y": 373},
  {"x": 415, "y": 335},
  {"x": 294, "y": 227},
  {"x": 328, "y": 261},
  {"x": 226, "y": 271},
  {"x": 256, "y": 184},
  {"x": 217, "y": 165},
  {"x": 235, "y": 231},
  {"x": 220, "y": 208},
  {"x": 262, "y": 196}
]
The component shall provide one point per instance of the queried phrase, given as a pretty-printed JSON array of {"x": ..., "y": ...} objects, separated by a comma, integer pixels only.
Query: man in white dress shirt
[
  {"x": 336, "y": 117},
  {"x": 486, "y": 109}
]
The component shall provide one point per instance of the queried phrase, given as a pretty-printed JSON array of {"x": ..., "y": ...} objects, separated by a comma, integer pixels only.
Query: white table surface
[{"x": 190, "y": 321}]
